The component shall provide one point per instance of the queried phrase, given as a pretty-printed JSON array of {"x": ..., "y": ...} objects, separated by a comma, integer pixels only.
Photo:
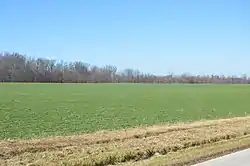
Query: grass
[
  {"x": 40, "y": 110},
  {"x": 156, "y": 117},
  {"x": 177, "y": 144},
  {"x": 197, "y": 154}
]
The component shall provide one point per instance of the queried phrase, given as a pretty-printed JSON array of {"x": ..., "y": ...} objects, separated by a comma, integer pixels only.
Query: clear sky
[{"x": 156, "y": 36}]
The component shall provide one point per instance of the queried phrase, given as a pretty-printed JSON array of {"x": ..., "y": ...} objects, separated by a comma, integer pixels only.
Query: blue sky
[{"x": 156, "y": 36}]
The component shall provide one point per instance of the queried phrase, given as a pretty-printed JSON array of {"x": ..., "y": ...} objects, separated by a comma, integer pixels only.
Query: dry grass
[
  {"x": 196, "y": 154},
  {"x": 128, "y": 146}
]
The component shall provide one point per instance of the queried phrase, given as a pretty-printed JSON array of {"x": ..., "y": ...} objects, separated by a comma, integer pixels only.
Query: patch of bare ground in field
[{"x": 127, "y": 146}]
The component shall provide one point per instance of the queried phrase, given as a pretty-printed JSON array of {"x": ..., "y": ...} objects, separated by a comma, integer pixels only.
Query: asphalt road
[{"x": 240, "y": 158}]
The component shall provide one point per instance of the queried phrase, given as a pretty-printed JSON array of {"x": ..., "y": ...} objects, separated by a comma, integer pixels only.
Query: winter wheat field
[{"x": 121, "y": 124}]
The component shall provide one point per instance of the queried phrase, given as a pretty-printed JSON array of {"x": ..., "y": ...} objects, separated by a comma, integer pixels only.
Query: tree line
[{"x": 15, "y": 67}]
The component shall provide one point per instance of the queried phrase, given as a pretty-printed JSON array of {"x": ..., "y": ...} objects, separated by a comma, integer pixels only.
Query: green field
[{"x": 35, "y": 110}]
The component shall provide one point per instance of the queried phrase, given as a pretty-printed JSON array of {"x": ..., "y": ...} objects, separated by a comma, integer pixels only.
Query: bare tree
[{"x": 15, "y": 67}]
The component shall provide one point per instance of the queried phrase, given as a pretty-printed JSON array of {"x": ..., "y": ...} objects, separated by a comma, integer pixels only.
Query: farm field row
[
  {"x": 41, "y": 110},
  {"x": 153, "y": 124}
]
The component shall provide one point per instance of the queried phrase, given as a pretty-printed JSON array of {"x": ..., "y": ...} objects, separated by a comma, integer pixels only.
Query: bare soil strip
[{"x": 137, "y": 145}]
